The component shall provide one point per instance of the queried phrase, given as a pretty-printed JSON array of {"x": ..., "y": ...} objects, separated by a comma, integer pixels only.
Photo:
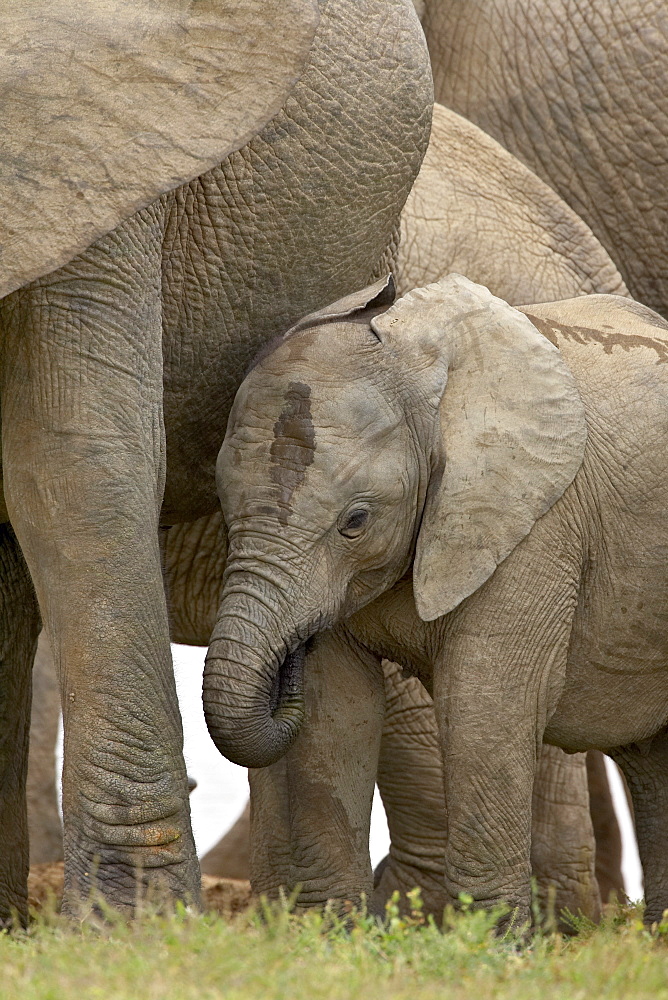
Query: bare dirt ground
[{"x": 225, "y": 896}]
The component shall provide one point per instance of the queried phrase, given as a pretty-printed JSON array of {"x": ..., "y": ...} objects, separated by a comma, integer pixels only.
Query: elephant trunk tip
[{"x": 256, "y": 731}]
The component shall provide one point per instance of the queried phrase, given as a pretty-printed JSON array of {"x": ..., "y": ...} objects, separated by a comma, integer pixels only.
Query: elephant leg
[
  {"x": 310, "y": 811},
  {"x": 84, "y": 458},
  {"x": 19, "y": 628},
  {"x": 645, "y": 767},
  {"x": 606, "y": 829},
  {"x": 489, "y": 767},
  {"x": 497, "y": 679},
  {"x": 562, "y": 838},
  {"x": 230, "y": 857},
  {"x": 411, "y": 783},
  {"x": 410, "y": 779},
  {"x": 44, "y": 826}
]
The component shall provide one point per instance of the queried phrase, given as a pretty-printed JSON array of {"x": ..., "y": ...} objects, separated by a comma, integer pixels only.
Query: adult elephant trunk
[{"x": 253, "y": 679}]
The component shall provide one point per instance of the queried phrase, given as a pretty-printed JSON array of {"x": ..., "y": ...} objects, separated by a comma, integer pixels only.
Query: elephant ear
[
  {"x": 107, "y": 104},
  {"x": 376, "y": 296},
  {"x": 510, "y": 434}
]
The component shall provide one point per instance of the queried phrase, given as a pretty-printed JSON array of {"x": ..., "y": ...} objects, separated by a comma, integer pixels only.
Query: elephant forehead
[
  {"x": 360, "y": 439},
  {"x": 307, "y": 437},
  {"x": 354, "y": 410},
  {"x": 292, "y": 449},
  {"x": 301, "y": 395}
]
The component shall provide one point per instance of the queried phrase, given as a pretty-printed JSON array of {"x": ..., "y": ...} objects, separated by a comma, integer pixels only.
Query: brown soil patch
[{"x": 225, "y": 896}]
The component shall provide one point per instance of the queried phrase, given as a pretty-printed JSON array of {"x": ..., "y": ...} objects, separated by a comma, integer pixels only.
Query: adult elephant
[
  {"x": 205, "y": 177},
  {"x": 575, "y": 91},
  {"x": 476, "y": 209}
]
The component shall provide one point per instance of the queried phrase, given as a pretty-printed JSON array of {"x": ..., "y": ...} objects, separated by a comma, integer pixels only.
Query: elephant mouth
[
  {"x": 254, "y": 704},
  {"x": 288, "y": 680}
]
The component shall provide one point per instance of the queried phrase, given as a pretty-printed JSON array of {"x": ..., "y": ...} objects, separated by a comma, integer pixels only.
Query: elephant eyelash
[{"x": 353, "y": 522}]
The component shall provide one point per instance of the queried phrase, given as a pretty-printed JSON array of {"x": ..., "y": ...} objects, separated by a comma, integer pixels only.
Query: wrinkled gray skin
[
  {"x": 478, "y": 210},
  {"x": 118, "y": 371},
  {"x": 577, "y": 92},
  {"x": 411, "y": 784},
  {"x": 526, "y": 244},
  {"x": 522, "y": 241},
  {"x": 499, "y": 535},
  {"x": 45, "y": 829},
  {"x": 409, "y": 776}
]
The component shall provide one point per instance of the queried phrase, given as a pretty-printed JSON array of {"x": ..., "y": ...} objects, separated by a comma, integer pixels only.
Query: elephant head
[{"x": 434, "y": 433}]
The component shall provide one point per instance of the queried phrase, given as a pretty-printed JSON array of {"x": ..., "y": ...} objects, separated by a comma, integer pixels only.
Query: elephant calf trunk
[{"x": 253, "y": 709}]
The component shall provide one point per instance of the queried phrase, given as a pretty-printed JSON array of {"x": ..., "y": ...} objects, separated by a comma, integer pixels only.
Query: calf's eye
[{"x": 353, "y": 522}]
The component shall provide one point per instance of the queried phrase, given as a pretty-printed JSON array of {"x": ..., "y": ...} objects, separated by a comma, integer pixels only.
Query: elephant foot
[
  {"x": 515, "y": 926},
  {"x": 130, "y": 882},
  {"x": 560, "y": 898},
  {"x": 392, "y": 876},
  {"x": 129, "y": 891},
  {"x": 301, "y": 900},
  {"x": 14, "y": 907}
]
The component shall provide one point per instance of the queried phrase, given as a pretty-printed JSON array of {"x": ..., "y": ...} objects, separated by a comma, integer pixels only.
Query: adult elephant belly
[{"x": 297, "y": 218}]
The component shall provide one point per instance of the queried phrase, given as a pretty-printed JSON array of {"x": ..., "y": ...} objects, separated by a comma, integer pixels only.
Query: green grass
[{"x": 281, "y": 955}]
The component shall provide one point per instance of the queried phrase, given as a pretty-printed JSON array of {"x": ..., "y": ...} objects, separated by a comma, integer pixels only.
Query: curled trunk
[{"x": 253, "y": 684}]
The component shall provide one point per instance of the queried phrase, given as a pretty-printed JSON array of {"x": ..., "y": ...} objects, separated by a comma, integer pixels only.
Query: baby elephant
[{"x": 478, "y": 493}]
